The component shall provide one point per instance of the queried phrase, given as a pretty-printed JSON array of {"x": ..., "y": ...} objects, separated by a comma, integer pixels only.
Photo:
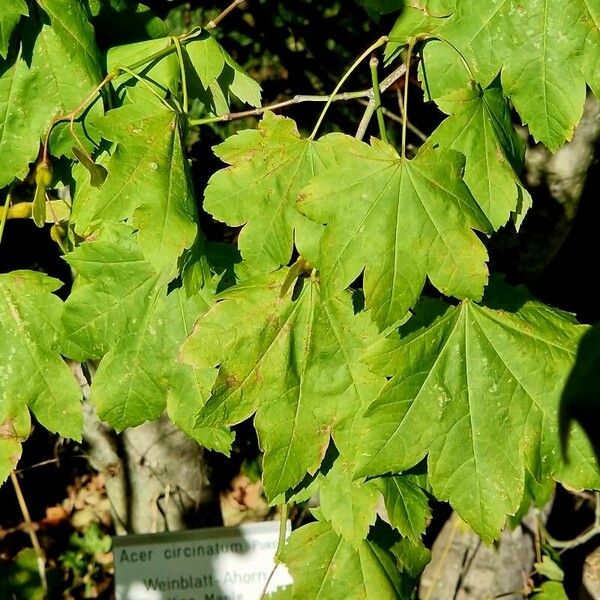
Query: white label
[{"x": 227, "y": 563}]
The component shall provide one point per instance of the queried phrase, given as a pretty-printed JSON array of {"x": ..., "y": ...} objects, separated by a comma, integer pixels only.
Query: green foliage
[
  {"x": 324, "y": 565},
  {"x": 33, "y": 375},
  {"x": 10, "y": 13},
  {"x": 378, "y": 207},
  {"x": 362, "y": 387},
  {"x": 21, "y": 579},
  {"x": 533, "y": 44}
]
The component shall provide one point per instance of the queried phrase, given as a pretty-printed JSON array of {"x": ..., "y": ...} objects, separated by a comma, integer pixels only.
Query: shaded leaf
[
  {"x": 164, "y": 73},
  {"x": 207, "y": 58},
  {"x": 10, "y": 13},
  {"x": 406, "y": 504},
  {"x": 349, "y": 505},
  {"x": 482, "y": 130}
]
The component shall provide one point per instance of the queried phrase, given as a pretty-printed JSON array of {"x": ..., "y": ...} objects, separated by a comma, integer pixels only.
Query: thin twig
[
  {"x": 298, "y": 99},
  {"x": 398, "y": 119},
  {"x": 73, "y": 114},
  {"x": 584, "y": 537},
  {"x": 183, "y": 75},
  {"x": 29, "y": 526},
  {"x": 383, "y": 86},
  {"x": 578, "y": 541},
  {"x": 268, "y": 582},
  {"x": 214, "y": 22},
  {"x": 50, "y": 461},
  {"x": 380, "y": 42},
  {"x": 283, "y": 517}
]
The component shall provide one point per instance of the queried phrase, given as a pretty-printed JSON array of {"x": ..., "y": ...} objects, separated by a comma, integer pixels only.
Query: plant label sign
[{"x": 224, "y": 563}]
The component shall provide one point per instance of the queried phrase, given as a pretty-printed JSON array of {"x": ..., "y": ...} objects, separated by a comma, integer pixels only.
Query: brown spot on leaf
[
  {"x": 231, "y": 381},
  {"x": 7, "y": 429}
]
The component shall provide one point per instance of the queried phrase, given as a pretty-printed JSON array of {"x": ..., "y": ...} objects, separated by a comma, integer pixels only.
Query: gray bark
[
  {"x": 464, "y": 568},
  {"x": 155, "y": 476}
]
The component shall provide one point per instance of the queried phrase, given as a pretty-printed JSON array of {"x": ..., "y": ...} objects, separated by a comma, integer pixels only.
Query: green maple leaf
[
  {"x": 400, "y": 220},
  {"x": 269, "y": 167},
  {"x": 120, "y": 311},
  {"x": 406, "y": 504},
  {"x": 550, "y": 590},
  {"x": 207, "y": 58},
  {"x": 326, "y": 567},
  {"x": 147, "y": 181},
  {"x": 213, "y": 77},
  {"x": 32, "y": 373},
  {"x": 65, "y": 67},
  {"x": 482, "y": 130},
  {"x": 10, "y": 13},
  {"x": 545, "y": 50},
  {"x": 419, "y": 18},
  {"x": 163, "y": 73},
  {"x": 292, "y": 361},
  {"x": 349, "y": 505},
  {"x": 19, "y": 132},
  {"x": 477, "y": 388}
]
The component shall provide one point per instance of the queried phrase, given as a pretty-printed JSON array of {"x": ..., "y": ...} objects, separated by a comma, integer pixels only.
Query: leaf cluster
[{"x": 362, "y": 387}]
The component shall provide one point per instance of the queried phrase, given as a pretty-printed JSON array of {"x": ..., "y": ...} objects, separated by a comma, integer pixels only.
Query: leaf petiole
[
  {"x": 4, "y": 216},
  {"x": 183, "y": 75},
  {"x": 382, "y": 40},
  {"x": 409, "y": 52},
  {"x": 373, "y": 64}
]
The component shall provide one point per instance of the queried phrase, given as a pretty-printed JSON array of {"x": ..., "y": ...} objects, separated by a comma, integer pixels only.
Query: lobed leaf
[
  {"x": 406, "y": 504},
  {"x": 477, "y": 388},
  {"x": 482, "y": 130},
  {"x": 400, "y": 221},
  {"x": 32, "y": 373},
  {"x": 296, "y": 362},
  {"x": 65, "y": 67},
  {"x": 269, "y": 167},
  {"x": 147, "y": 182},
  {"x": 530, "y": 44},
  {"x": 325, "y": 567},
  {"x": 122, "y": 313}
]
